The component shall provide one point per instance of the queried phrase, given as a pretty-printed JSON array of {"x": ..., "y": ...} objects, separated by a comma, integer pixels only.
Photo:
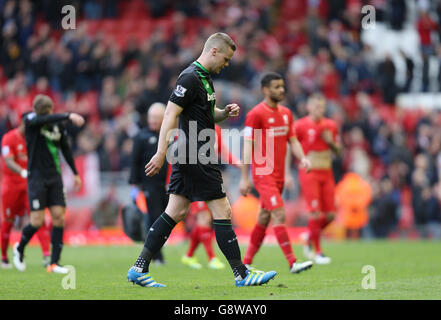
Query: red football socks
[
  {"x": 256, "y": 239},
  {"x": 5, "y": 234},
  {"x": 206, "y": 236},
  {"x": 314, "y": 227},
  {"x": 194, "y": 241},
  {"x": 285, "y": 243},
  {"x": 44, "y": 236}
]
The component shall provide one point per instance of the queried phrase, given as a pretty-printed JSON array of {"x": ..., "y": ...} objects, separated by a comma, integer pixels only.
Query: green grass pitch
[{"x": 403, "y": 270}]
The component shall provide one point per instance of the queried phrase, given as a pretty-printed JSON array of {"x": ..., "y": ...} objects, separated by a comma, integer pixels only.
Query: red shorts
[
  {"x": 270, "y": 192},
  {"x": 318, "y": 188},
  {"x": 15, "y": 201},
  {"x": 198, "y": 206}
]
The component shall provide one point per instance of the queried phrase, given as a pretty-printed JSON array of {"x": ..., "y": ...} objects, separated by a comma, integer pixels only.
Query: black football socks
[
  {"x": 26, "y": 236},
  {"x": 156, "y": 237},
  {"x": 227, "y": 242},
  {"x": 57, "y": 243}
]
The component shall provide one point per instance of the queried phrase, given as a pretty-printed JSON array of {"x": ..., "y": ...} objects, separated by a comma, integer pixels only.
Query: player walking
[
  {"x": 45, "y": 135},
  {"x": 194, "y": 102},
  {"x": 319, "y": 137},
  {"x": 14, "y": 191},
  {"x": 270, "y": 118}
]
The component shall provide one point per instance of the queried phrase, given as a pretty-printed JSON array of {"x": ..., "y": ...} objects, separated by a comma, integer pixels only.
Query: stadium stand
[{"x": 125, "y": 55}]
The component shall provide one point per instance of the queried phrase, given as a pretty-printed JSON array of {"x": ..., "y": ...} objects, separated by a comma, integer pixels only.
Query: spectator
[
  {"x": 384, "y": 209},
  {"x": 386, "y": 74},
  {"x": 426, "y": 25}
]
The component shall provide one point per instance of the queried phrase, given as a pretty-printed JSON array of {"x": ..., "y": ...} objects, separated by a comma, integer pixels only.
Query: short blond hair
[
  {"x": 221, "y": 41},
  {"x": 42, "y": 104}
]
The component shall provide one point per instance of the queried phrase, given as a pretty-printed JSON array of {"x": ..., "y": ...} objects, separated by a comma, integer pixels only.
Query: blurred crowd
[{"x": 314, "y": 44}]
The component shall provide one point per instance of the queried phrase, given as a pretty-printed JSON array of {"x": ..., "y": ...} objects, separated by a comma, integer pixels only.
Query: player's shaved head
[
  {"x": 221, "y": 41},
  {"x": 316, "y": 105},
  {"x": 42, "y": 104}
]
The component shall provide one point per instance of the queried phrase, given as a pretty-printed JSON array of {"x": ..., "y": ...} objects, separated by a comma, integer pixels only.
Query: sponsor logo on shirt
[
  {"x": 211, "y": 97},
  {"x": 271, "y": 120},
  {"x": 180, "y": 91},
  {"x": 54, "y": 135}
]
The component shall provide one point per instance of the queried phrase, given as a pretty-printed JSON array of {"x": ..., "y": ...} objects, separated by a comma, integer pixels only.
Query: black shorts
[
  {"x": 46, "y": 192},
  {"x": 197, "y": 182}
]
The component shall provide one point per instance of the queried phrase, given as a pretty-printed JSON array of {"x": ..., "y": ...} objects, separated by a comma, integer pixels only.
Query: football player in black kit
[
  {"x": 45, "y": 135},
  {"x": 193, "y": 102}
]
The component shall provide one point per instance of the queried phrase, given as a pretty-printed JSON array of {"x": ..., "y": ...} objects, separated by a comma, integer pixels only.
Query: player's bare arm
[
  {"x": 334, "y": 145},
  {"x": 297, "y": 151},
  {"x": 15, "y": 167},
  {"x": 245, "y": 183},
  {"x": 171, "y": 115},
  {"x": 289, "y": 181},
  {"x": 230, "y": 110}
]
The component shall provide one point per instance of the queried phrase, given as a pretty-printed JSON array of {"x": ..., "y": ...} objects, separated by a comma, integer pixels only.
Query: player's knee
[
  {"x": 180, "y": 214},
  {"x": 278, "y": 216},
  {"x": 264, "y": 218},
  {"x": 226, "y": 213},
  {"x": 37, "y": 223},
  {"x": 58, "y": 221}
]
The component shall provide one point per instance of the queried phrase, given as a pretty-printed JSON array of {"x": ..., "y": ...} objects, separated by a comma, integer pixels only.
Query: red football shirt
[
  {"x": 14, "y": 145},
  {"x": 309, "y": 133},
  {"x": 270, "y": 129}
]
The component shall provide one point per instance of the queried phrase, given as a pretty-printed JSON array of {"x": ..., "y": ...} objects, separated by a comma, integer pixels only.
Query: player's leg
[
  {"x": 205, "y": 234},
  {"x": 43, "y": 233},
  {"x": 158, "y": 234},
  {"x": 36, "y": 221},
  {"x": 257, "y": 235},
  {"x": 57, "y": 215},
  {"x": 37, "y": 200},
  {"x": 227, "y": 242},
  {"x": 311, "y": 192},
  {"x": 156, "y": 203},
  {"x": 9, "y": 210},
  {"x": 6, "y": 227},
  {"x": 327, "y": 201},
  {"x": 278, "y": 216},
  {"x": 44, "y": 237},
  {"x": 189, "y": 259}
]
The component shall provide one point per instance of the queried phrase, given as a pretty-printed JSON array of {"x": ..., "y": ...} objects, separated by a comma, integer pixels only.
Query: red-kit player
[
  {"x": 202, "y": 232},
  {"x": 14, "y": 191},
  {"x": 319, "y": 138},
  {"x": 270, "y": 120}
]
